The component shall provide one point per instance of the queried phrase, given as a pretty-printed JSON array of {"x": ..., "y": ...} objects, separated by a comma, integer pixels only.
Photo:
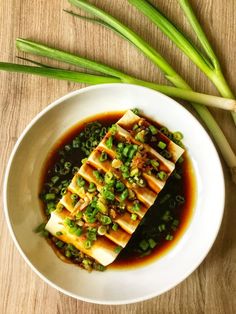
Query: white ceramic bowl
[{"x": 23, "y": 213}]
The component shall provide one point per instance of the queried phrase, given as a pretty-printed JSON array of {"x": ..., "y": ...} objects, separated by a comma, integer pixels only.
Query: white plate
[{"x": 21, "y": 202}]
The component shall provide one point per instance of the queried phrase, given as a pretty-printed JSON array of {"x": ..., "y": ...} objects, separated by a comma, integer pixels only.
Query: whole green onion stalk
[
  {"x": 169, "y": 73},
  {"x": 91, "y": 79},
  {"x": 117, "y": 76},
  {"x": 208, "y": 63}
]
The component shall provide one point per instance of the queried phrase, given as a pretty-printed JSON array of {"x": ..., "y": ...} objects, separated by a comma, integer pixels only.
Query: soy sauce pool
[{"x": 164, "y": 222}]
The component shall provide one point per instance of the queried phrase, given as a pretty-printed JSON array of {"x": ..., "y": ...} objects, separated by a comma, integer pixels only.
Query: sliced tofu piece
[
  {"x": 120, "y": 237},
  {"x": 130, "y": 118},
  {"x": 103, "y": 250}
]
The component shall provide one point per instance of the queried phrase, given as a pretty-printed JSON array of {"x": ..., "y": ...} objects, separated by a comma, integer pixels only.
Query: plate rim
[{"x": 57, "y": 102}]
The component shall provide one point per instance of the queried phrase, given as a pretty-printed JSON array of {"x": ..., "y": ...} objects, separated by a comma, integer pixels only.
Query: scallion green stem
[
  {"x": 150, "y": 52},
  {"x": 217, "y": 78},
  {"x": 59, "y": 74},
  {"x": 44, "y": 51},
  {"x": 208, "y": 64},
  {"x": 91, "y": 79}
]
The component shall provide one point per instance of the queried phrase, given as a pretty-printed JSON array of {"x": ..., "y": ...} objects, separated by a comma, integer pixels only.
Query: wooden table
[{"x": 212, "y": 287}]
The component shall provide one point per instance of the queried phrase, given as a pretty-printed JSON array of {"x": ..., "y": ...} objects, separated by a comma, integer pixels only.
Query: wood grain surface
[{"x": 212, "y": 287}]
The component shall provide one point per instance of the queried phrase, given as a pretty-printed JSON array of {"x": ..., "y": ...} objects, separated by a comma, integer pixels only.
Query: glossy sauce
[{"x": 186, "y": 186}]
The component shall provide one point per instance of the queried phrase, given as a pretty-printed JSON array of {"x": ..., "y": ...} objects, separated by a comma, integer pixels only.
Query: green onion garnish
[
  {"x": 103, "y": 156},
  {"x": 134, "y": 217},
  {"x": 144, "y": 245},
  {"x": 169, "y": 237},
  {"x": 109, "y": 142},
  {"x": 161, "y": 145},
  {"x": 162, "y": 175},
  {"x": 59, "y": 233},
  {"x": 119, "y": 186},
  {"x": 124, "y": 195},
  {"x": 50, "y": 196},
  {"x": 152, "y": 243},
  {"x": 153, "y": 129},
  {"x": 92, "y": 187},
  {"x": 115, "y": 227},
  {"x": 117, "y": 249},
  {"x": 80, "y": 181},
  {"x": 98, "y": 175},
  {"x": 136, "y": 207},
  {"x": 87, "y": 244},
  {"x": 60, "y": 244},
  {"x": 102, "y": 230},
  {"x": 105, "y": 220}
]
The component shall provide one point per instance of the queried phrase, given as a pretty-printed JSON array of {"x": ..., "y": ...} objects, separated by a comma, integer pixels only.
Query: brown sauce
[{"x": 186, "y": 186}]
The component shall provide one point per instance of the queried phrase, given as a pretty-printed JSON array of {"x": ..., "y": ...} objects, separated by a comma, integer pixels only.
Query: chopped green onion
[
  {"x": 105, "y": 220},
  {"x": 162, "y": 227},
  {"x": 140, "y": 136},
  {"x": 102, "y": 207},
  {"x": 155, "y": 164},
  {"x": 80, "y": 181},
  {"x": 74, "y": 196},
  {"x": 40, "y": 228},
  {"x": 79, "y": 215},
  {"x": 144, "y": 245},
  {"x": 54, "y": 179},
  {"x": 102, "y": 230},
  {"x": 152, "y": 243},
  {"x": 100, "y": 267},
  {"x": 136, "y": 207},
  {"x": 92, "y": 234},
  {"x": 135, "y": 127},
  {"x": 50, "y": 196},
  {"x": 103, "y": 156},
  {"x": 63, "y": 191},
  {"x": 67, "y": 165},
  {"x": 60, "y": 244},
  {"x": 181, "y": 159},
  {"x": 141, "y": 182},
  {"x": 68, "y": 222},
  {"x": 161, "y": 145},
  {"x": 84, "y": 160},
  {"x": 124, "y": 195},
  {"x": 153, "y": 129},
  {"x": 178, "y": 136},
  {"x": 92, "y": 187},
  {"x": 115, "y": 227},
  {"x": 109, "y": 142},
  {"x": 169, "y": 237},
  {"x": 134, "y": 217},
  {"x": 68, "y": 253},
  {"x": 98, "y": 175},
  {"x": 109, "y": 178},
  {"x": 73, "y": 229},
  {"x": 119, "y": 186},
  {"x": 118, "y": 249},
  {"x": 135, "y": 111},
  {"x": 113, "y": 129},
  {"x": 177, "y": 175},
  {"x": 162, "y": 175},
  {"x": 175, "y": 222},
  {"x": 87, "y": 244},
  {"x": 134, "y": 172},
  {"x": 107, "y": 193},
  {"x": 59, "y": 233},
  {"x": 78, "y": 231}
]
